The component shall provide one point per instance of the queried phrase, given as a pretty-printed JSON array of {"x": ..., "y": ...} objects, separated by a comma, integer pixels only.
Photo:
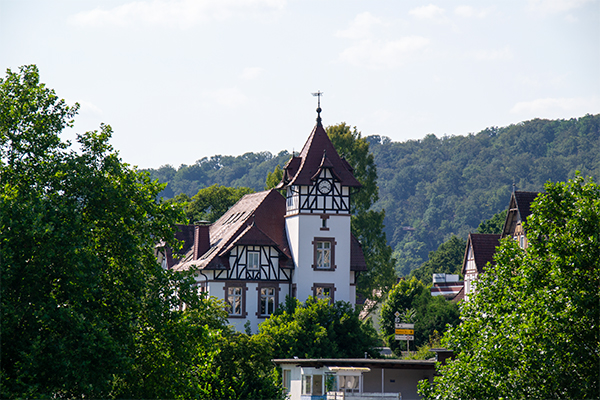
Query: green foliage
[
  {"x": 366, "y": 224},
  {"x": 493, "y": 225},
  {"x": 318, "y": 329},
  {"x": 211, "y": 202},
  {"x": 273, "y": 178},
  {"x": 448, "y": 259},
  {"x": 431, "y": 314},
  {"x": 248, "y": 170},
  {"x": 439, "y": 186},
  {"x": 531, "y": 329},
  {"x": 355, "y": 149},
  {"x": 86, "y": 310}
]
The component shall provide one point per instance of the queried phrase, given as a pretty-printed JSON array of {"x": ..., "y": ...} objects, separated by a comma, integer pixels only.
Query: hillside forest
[{"x": 434, "y": 188}]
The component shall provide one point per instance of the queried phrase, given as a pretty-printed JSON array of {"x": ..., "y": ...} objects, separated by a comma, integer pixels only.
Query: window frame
[
  {"x": 236, "y": 284},
  {"x": 267, "y": 285},
  {"x": 332, "y": 244},
  {"x": 253, "y": 253},
  {"x": 330, "y": 286}
]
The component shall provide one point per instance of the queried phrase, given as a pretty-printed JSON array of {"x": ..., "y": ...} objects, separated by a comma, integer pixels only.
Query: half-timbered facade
[
  {"x": 268, "y": 246},
  {"x": 518, "y": 210},
  {"x": 480, "y": 250},
  {"x": 318, "y": 185}
]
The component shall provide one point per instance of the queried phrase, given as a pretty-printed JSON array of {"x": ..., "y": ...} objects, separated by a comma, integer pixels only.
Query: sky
[{"x": 179, "y": 80}]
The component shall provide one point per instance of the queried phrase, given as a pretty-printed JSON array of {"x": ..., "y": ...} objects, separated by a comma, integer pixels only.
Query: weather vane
[{"x": 318, "y": 94}]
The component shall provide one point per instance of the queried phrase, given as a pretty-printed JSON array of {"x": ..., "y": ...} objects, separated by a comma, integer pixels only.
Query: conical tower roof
[{"x": 318, "y": 153}]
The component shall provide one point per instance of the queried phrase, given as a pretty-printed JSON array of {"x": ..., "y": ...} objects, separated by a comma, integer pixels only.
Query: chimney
[{"x": 201, "y": 238}]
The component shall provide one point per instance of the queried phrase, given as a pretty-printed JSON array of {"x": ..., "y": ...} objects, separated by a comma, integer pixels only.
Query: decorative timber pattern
[
  {"x": 254, "y": 263},
  {"x": 325, "y": 196}
]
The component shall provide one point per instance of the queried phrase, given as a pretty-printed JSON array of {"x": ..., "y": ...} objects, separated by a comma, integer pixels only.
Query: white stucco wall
[{"x": 302, "y": 229}]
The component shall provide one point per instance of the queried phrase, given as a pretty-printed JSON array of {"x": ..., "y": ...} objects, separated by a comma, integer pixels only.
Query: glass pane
[{"x": 271, "y": 305}]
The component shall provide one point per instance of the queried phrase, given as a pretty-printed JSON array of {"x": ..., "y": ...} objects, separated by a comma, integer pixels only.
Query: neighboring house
[
  {"x": 518, "y": 210},
  {"x": 480, "y": 250},
  {"x": 481, "y": 247},
  {"x": 267, "y": 247},
  {"x": 447, "y": 285},
  {"x": 357, "y": 378}
]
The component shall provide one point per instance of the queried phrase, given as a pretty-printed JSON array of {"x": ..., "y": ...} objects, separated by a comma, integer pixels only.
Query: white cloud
[
  {"x": 251, "y": 73},
  {"x": 228, "y": 97},
  {"x": 381, "y": 55},
  {"x": 360, "y": 27},
  {"x": 555, "y": 6},
  {"x": 181, "y": 13},
  {"x": 504, "y": 53},
  {"x": 430, "y": 11},
  {"x": 470, "y": 12},
  {"x": 552, "y": 107}
]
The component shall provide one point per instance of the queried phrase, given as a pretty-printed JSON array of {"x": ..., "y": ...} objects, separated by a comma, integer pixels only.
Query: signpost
[{"x": 403, "y": 331}]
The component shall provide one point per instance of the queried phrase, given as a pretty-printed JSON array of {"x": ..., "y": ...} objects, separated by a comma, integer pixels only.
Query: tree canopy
[
  {"x": 531, "y": 330},
  {"x": 86, "y": 310},
  {"x": 211, "y": 202},
  {"x": 412, "y": 299},
  {"x": 366, "y": 223},
  {"x": 447, "y": 259},
  {"x": 318, "y": 328}
]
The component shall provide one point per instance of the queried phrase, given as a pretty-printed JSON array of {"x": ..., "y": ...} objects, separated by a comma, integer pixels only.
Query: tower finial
[{"x": 318, "y": 94}]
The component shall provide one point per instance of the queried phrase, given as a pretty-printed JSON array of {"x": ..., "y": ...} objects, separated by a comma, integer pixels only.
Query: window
[
  {"x": 312, "y": 385},
  {"x": 235, "y": 296},
  {"x": 349, "y": 383},
  {"x": 287, "y": 380},
  {"x": 324, "y": 255},
  {"x": 306, "y": 384},
  {"x": 324, "y": 219},
  {"x": 267, "y": 301},
  {"x": 324, "y": 249},
  {"x": 324, "y": 291},
  {"x": 268, "y": 298},
  {"x": 253, "y": 260}
]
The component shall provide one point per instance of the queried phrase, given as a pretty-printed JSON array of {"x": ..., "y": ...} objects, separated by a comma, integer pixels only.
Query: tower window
[{"x": 324, "y": 254}]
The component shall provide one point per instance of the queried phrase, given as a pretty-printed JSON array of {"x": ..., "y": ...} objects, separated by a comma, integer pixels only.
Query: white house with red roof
[{"x": 268, "y": 246}]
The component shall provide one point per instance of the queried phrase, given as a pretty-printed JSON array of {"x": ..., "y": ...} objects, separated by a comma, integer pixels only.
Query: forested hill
[{"x": 434, "y": 187}]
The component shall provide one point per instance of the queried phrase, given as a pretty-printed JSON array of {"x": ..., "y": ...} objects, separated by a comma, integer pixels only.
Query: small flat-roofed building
[{"x": 354, "y": 378}]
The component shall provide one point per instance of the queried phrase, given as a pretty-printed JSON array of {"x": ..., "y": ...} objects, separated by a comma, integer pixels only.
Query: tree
[
  {"x": 212, "y": 202},
  {"x": 493, "y": 225},
  {"x": 531, "y": 328},
  {"x": 318, "y": 328},
  {"x": 77, "y": 232},
  {"x": 86, "y": 310},
  {"x": 447, "y": 259},
  {"x": 366, "y": 224},
  {"x": 413, "y": 301},
  {"x": 273, "y": 178}
]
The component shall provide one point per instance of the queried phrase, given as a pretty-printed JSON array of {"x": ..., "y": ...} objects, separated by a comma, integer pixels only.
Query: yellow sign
[{"x": 405, "y": 331}]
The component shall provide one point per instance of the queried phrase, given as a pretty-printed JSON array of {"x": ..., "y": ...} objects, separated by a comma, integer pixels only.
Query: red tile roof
[
  {"x": 484, "y": 246},
  {"x": 519, "y": 209},
  {"x": 357, "y": 257},
  {"x": 256, "y": 219}
]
